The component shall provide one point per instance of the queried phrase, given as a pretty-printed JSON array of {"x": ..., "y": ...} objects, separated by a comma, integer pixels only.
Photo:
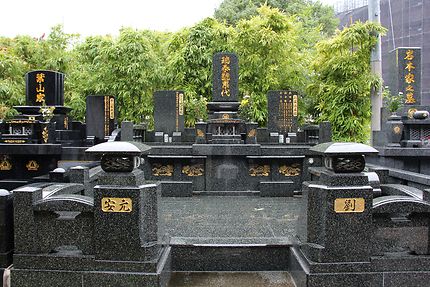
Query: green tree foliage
[
  {"x": 127, "y": 67},
  {"x": 312, "y": 14},
  {"x": 271, "y": 56},
  {"x": 22, "y": 54},
  {"x": 189, "y": 63},
  {"x": 340, "y": 89}
]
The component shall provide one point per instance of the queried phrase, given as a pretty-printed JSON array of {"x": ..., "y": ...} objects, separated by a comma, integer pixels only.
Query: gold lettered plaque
[
  {"x": 117, "y": 204},
  {"x": 349, "y": 205}
]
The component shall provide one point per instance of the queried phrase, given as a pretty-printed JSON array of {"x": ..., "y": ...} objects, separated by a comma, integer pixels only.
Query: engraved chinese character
[
  {"x": 410, "y": 66},
  {"x": 409, "y": 55},
  {"x": 410, "y": 78},
  {"x": 410, "y": 88},
  {"x": 225, "y": 60},
  {"x": 124, "y": 205},
  {"x": 349, "y": 205},
  {"x": 40, "y": 89},
  {"x": 40, "y": 98},
  {"x": 410, "y": 98},
  {"x": 109, "y": 205},
  {"x": 40, "y": 78},
  {"x": 225, "y": 76}
]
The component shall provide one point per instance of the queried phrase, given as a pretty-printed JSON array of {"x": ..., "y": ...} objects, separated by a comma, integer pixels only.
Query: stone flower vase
[
  {"x": 251, "y": 133},
  {"x": 47, "y": 132},
  {"x": 394, "y": 130}
]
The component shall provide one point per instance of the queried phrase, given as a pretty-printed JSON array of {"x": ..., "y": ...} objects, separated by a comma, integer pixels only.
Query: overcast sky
[{"x": 99, "y": 17}]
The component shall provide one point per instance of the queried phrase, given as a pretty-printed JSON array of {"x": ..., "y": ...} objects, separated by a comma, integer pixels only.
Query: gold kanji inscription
[
  {"x": 117, "y": 204},
  {"x": 410, "y": 98},
  {"x": 349, "y": 205},
  {"x": 410, "y": 66},
  {"x": 40, "y": 89},
  {"x": 225, "y": 76},
  {"x": 409, "y": 55},
  {"x": 40, "y": 98},
  {"x": 410, "y": 78},
  {"x": 410, "y": 88},
  {"x": 40, "y": 78}
]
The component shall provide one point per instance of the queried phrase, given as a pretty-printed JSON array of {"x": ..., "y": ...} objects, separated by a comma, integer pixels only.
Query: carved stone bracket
[
  {"x": 290, "y": 170},
  {"x": 193, "y": 170},
  {"x": 259, "y": 170},
  {"x": 162, "y": 170}
]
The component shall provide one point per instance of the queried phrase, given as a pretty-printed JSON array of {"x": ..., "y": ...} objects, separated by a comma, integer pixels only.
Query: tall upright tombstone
[
  {"x": 100, "y": 117},
  {"x": 169, "y": 115},
  {"x": 44, "y": 88},
  {"x": 6, "y": 229},
  {"x": 335, "y": 223},
  {"x": 225, "y": 67},
  {"x": 283, "y": 111},
  {"x": 407, "y": 75}
]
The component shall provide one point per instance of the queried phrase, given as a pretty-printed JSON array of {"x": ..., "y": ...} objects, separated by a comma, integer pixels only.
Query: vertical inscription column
[
  {"x": 100, "y": 116},
  {"x": 225, "y": 77},
  {"x": 406, "y": 64},
  {"x": 336, "y": 218},
  {"x": 125, "y": 214},
  {"x": 44, "y": 88},
  {"x": 283, "y": 111}
]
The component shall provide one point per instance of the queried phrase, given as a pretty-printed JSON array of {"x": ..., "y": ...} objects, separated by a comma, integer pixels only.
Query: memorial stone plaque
[
  {"x": 225, "y": 77},
  {"x": 44, "y": 87},
  {"x": 283, "y": 111},
  {"x": 169, "y": 111},
  {"x": 407, "y": 75},
  {"x": 100, "y": 116}
]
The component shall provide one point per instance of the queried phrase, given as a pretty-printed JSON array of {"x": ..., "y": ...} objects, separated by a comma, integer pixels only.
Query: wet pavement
[
  {"x": 230, "y": 219},
  {"x": 231, "y": 279}
]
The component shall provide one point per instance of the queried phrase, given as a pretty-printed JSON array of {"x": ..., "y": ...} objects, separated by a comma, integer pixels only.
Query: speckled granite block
[
  {"x": 277, "y": 188},
  {"x": 177, "y": 188},
  {"x": 76, "y": 241}
]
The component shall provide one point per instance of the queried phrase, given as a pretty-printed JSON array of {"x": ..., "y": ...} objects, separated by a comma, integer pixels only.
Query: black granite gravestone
[
  {"x": 109, "y": 240},
  {"x": 169, "y": 112},
  {"x": 225, "y": 77},
  {"x": 406, "y": 75},
  {"x": 100, "y": 116},
  {"x": 6, "y": 230},
  {"x": 44, "y": 87},
  {"x": 283, "y": 111}
]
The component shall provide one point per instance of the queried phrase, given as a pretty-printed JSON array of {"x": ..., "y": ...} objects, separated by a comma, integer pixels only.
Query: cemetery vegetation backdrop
[{"x": 281, "y": 45}]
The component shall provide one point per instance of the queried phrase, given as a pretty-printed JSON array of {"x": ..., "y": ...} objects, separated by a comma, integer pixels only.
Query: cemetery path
[
  {"x": 229, "y": 219},
  {"x": 236, "y": 279}
]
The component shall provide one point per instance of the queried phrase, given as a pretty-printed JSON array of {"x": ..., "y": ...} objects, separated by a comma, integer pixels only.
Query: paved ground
[
  {"x": 230, "y": 219},
  {"x": 236, "y": 279}
]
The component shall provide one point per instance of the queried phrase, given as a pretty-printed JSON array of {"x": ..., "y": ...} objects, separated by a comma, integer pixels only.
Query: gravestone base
[
  {"x": 85, "y": 271},
  {"x": 389, "y": 271},
  {"x": 177, "y": 188},
  {"x": 231, "y": 139},
  {"x": 277, "y": 188}
]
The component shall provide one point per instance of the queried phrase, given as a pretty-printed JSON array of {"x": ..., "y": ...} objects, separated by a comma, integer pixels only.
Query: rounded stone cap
[
  {"x": 4, "y": 192},
  {"x": 119, "y": 148},
  {"x": 343, "y": 148},
  {"x": 421, "y": 115}
]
